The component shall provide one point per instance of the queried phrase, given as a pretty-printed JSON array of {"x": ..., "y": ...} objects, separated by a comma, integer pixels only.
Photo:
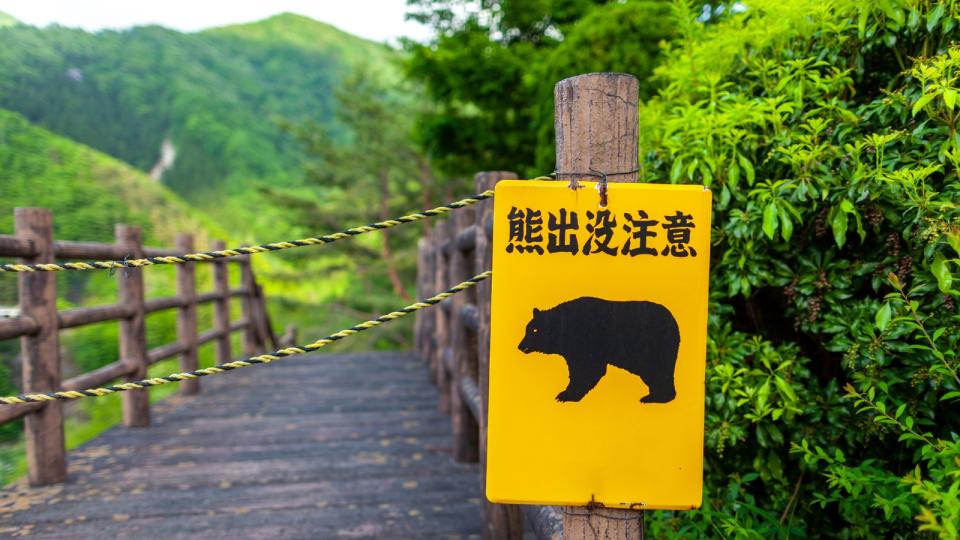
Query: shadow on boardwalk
[{"x": 328, "y": 446}]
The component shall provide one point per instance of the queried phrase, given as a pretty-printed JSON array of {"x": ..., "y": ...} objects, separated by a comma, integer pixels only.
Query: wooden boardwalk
[{"x": 326, "y": 446}]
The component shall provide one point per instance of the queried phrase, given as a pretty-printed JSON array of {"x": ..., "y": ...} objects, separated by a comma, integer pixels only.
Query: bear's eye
[{"x": 535, "y": 330}]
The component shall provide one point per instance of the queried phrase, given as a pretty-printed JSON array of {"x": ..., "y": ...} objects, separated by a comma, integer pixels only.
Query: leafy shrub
[{"x": 828, "y": 132}]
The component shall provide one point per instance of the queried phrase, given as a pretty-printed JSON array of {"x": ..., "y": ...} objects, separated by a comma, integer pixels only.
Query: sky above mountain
[{"x": 378, "y": 20}]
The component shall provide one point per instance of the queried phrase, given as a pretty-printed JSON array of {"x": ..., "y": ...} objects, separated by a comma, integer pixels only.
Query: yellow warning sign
[{"x": 598, "y": 345}]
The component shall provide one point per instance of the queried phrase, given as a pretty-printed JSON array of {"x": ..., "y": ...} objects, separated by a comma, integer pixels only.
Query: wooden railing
[
  {"x": 454, "y": 341},
  {"x": 39, "y": 322}
]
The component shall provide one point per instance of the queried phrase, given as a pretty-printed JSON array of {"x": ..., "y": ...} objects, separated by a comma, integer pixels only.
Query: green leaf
[
  {"x": 733, "y": 174},
  {"x": 747, "y": 168},
  {"x": 785, "y": 389},
  {"x": 941, "y": 271},
  {"x": 770, "y": 219},
  {"x": 913, "y": 20},
  {"x": 934, "y": 16},
  {"x": 786, "y": 224},
  {"x": 676, "y": 170},
  {"x": 923, "y": 101},
  {"x": 950, "y": 98},
  {"x": 862, "y": 22},
  {"x": 838, "y": 222},
  {"x": 882, "y": 318}
]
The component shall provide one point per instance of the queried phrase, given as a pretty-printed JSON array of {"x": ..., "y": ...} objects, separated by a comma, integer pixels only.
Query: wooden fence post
[
  {"x": 46, "y": 452},
  {"x": 500, "y": 520},
  {"x": 266, "y": 325},
  {"x": 428, "y": 317},
  {"x": 133, "y": 332},
  {"x": 596, "y": 125},
  {"x": 221, "y": 308},
  {"x": 187, "y": 314},
  {"x": 466, "y": 431},
  {"x": 423, "y": 269},
  {"x": 442, "y": 235},
  {"x": 251, "y": 340}
]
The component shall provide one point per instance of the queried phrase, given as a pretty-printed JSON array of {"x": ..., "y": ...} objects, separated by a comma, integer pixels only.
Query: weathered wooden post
[
  {"x": 596, "y": 125},
  {"x": 465, "y": 428},
  {"x": 187, "y": 314},
  {"x": 251, "y": 340},
  {"x": 133, "y": 332},
  {"x": 46, "y": 453},
  {"x": 221, "y": 308},
  {"x": 270, "y": 338},
  {"x": 443, "y": 235},
  {"x": 418, "y": 334},
  {"x": 501, "y": 521}
]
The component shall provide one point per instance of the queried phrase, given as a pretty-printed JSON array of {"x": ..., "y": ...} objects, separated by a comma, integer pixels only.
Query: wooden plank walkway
[{"x": 327, "y": 446}]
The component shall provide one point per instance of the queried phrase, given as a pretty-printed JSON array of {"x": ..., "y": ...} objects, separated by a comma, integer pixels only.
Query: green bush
[{"x": 828, "y": 132}]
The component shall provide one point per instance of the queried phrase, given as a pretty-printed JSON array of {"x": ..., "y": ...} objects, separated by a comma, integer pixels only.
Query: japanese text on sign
[{"x": 642, "y": 234}]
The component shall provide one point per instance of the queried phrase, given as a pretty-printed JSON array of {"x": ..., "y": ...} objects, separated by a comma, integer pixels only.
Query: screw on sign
[{"x": 597, "y": 384}]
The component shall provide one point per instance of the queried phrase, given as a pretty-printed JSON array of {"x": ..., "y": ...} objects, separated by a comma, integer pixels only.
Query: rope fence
[
  {"x": 247, "y": 250},
  {"x": 64, "y": 395}
]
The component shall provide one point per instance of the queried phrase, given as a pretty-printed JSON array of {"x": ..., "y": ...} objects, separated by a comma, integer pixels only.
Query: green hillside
[
  {"x": 7, "y": 20},
  {"x": 219, "y": 96},
  {"x": 87, "y": 190}
]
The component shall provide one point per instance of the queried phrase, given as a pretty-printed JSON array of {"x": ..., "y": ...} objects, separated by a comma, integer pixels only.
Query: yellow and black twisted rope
[
  {"x": 64, "y": 395},
  {"x": 249, "y": 250}
]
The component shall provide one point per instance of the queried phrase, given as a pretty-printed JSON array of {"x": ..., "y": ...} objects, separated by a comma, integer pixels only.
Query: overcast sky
[{"x": 379, "y": 20}]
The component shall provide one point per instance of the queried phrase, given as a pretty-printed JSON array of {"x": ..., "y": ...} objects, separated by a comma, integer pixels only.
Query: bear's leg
[
  {"x": 661, "y": 387},
  {"x": 584, "y": 375}
]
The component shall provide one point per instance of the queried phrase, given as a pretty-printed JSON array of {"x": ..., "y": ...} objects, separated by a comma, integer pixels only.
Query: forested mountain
[
  {"x": 218, "y": 97},
  {"x": 87, "y": 191}
]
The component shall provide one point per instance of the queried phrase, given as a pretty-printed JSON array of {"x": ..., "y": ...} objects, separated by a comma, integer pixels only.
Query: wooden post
[
  {"x": 442, "y": 234},
  {"x": 251, "y": 341},
  {"x": 500, "y": 520},
  {"x": 596, "y": 125},
  {"x": 187, "y": 314},
  {"x": 466, "y": 434},
  {"x": 133, "y": 331},
  {"x": 46, "y": 453},
  {"x": 419, "y": 333},
  {"x": 221, "y": 308},
  {"x": 430, "y": 315},
  {"x": 269, "y": 334}
]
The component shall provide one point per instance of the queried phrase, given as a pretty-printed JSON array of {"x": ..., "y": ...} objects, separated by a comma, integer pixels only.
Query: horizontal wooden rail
[
  {"x": 11, "y": 246},
  {"x": 17, "y": 326},
  {"x": 72, "y": 318},
  {"x": 9, "y": 413},
  {"x": 163, "y": 352},
  {"x": 63, "y": 249},
  {"x": 159, "y": 304},
  {"x": 99, "y": 376}
]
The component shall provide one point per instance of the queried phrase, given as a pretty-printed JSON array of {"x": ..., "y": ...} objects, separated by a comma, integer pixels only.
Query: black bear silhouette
[{"x": 590, "y": 333}]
